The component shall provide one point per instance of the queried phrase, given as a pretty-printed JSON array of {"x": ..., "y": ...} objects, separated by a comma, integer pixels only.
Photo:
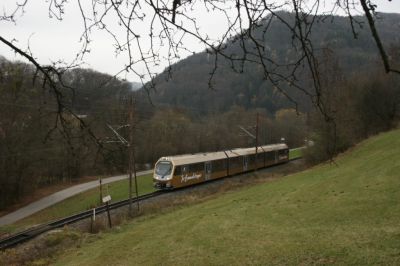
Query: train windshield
[{"x": 163, "y": 168}]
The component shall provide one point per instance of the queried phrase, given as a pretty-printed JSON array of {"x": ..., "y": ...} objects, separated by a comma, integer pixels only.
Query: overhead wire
[{"x": 141, "y": 116}]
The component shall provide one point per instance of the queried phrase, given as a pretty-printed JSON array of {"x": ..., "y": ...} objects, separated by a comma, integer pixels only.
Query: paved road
[{"x": 57, "y": 197}]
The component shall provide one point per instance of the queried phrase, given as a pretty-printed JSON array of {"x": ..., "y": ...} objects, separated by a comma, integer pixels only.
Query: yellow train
[{"x": 185, "y": 170}]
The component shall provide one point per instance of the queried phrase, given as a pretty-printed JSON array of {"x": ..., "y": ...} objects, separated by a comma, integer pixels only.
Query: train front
[{"x": 163, "y": 173}]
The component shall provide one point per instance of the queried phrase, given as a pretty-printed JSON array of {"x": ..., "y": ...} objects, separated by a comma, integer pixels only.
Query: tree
[
  {"x": 30, "y": 157},
  {"x": 170, "y": 23},
  {"x": 291, "y": 126}
]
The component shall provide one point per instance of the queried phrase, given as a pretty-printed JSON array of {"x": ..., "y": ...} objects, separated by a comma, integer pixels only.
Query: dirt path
[{"x": 57, "y": 197}]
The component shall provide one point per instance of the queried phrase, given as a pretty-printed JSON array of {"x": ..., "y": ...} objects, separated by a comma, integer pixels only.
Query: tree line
[
  {"x": 361, "y": 104},
  {"x": 37, "y": 150}
]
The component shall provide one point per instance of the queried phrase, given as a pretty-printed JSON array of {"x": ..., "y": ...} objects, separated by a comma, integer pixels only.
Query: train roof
[{"x": 210, "y": 156}]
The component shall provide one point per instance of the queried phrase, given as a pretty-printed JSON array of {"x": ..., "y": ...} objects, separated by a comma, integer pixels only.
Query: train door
[
  {"x": 245, "y": 163},
  {"x": 207, "y": 170}
]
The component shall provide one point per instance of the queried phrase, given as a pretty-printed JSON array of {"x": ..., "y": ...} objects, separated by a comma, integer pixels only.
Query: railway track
[{"x": 28, "y": 234}]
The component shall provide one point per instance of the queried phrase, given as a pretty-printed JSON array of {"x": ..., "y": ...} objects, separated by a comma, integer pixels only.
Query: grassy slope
[
  {"x": 83, "y": 201},
  {"x": 296, "y": 153},
  {"x": 345, "y": 214}
]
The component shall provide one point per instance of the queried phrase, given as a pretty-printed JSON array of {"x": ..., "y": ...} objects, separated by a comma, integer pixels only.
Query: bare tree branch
[{"x": 368, "y": 7}]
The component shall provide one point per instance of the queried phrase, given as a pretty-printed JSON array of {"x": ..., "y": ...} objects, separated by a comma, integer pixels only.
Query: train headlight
[{"x": 163, "y": 177}]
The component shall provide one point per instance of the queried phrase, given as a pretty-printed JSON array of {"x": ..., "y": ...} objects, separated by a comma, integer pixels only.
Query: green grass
[
  {"x": 343, "y": 213},
  {"x": 296, "y": 153},
  {"x": 83, "y": 201}
]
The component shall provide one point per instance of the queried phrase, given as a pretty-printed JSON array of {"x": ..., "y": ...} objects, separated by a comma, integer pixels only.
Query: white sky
[{"x": 51, "y": 40}]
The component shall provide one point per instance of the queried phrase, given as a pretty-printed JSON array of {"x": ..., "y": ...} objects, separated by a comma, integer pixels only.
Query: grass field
[
  {"x": 343, "y": 213},
  {"x": 296, "y": 153},
  {"x": 83, "y": 201}
]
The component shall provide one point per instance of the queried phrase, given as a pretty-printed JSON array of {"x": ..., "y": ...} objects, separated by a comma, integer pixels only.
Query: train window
[
  {"x": 283, "y": 152},
  {"x": 216, "y": 165},
  {"x": 185, "y": 169},
  {"x": 270, "y": 156},
  {"x": 208, "y": 167},
  {"x": 223, "y": 165},
  {"x": 252, "y": 158},
  {"x": 236, "y": 162},
  {"x": 245, "y": 162},
  {"x": 163, "y": 168},
  {"x": 197, "y": 167},
  {"x": 219, "y": 165}
]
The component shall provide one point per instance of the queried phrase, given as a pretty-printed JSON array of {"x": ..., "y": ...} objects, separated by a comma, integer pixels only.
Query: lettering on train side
[{"x": 186, "y": 177}]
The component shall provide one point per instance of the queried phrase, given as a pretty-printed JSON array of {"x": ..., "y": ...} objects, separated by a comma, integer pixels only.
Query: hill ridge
[{"x": 188, "y": 86}]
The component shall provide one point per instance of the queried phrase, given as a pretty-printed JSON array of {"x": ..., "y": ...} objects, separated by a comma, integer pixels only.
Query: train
[{"x": 178, "y": 171}]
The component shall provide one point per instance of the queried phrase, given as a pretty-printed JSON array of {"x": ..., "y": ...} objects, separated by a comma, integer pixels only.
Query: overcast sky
[{"x": 50, "y": 39}]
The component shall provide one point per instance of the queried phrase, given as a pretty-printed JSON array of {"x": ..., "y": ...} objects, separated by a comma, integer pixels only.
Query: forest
[
  {"x": 41, "y": 144},
  {"x": 187, "y": 83}
]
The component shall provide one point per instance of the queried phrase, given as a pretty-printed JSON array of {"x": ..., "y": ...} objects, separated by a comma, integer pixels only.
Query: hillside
[
  {"x": 342, "y": 213},
  {"x": 188, "y": 86}
]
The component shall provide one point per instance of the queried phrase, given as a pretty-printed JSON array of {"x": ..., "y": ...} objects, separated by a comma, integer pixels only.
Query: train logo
[{"x": 186, "y": 178}]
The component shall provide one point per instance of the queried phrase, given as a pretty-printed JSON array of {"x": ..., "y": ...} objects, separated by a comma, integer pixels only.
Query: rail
[{"x": 23, "y": 236}]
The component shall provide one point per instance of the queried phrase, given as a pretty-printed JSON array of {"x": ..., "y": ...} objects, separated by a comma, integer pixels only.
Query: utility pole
[
  {"x": 254, "y": 137},
  {"x": 131, "y": 151},
  {"x": 101, "y": 190},
  {"x": 256, "y": 163}
]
